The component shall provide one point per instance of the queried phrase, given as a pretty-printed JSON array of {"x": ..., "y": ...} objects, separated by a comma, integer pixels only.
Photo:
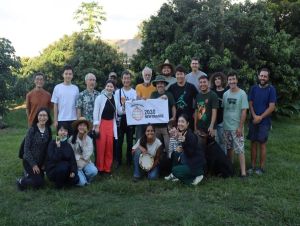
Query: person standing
[
  {"x": 167, "y": 70},
  {"x": 235, "y": 105},
  {"x": 144, "y": 91},
  {"x": 218, "y": 84},
  {"x": 206, "y": 109},
  {"x": 105, "y": 126},
  {"x": 64, "y": 99},
  {"x": 86, "y": 98},
  {"x": 126, "y": 93},
  {"x": 262, "y": 99},
  {"x": 37, "y": 98},
  {"x": 184, "y": 94},
  {"x": 195, "y": 74}
]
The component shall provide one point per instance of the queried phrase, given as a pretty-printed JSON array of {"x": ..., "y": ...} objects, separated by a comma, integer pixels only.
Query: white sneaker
[
  {"x": 197, "y": 180},
  {"x": 170, "y": 177}
]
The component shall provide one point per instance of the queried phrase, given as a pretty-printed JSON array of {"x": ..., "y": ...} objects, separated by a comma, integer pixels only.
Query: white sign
[{"x": 152, "y": 111}]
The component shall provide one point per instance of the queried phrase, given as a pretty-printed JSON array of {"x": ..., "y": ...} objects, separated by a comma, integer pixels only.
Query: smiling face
[
  {"x": 195, "y": 65},
  {"x": 263, "y": 78},
  {"x": 147, "y": 77},
  {"x": 42, "y": 117},
  {"x": 109, "y": 87},
  {"x": 166, "y": 70},
  {"x": 62, "y": 132},
  {"x": 160, "y": 86},
  {"x": 182, "y": 124},
  {"x": 232, "y": 82},
  {"x": 150, "y": 132},
  {"x": 39, "y": 81},
  {"x": 203, "y": 84},
  {"x": 180, "y": 76},
  {"x": 126, "y": 80},
  {"x": 68, "y": 76},
  {"x": 90, "y": 82},
  {"x": 82, "y": 128}
]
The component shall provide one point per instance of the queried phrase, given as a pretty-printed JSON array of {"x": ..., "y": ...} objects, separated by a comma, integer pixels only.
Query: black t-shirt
[
  {"x": 220, "y": 109},
  {"x": 184, "y": 97},
  {"x": 109, "y": 109}
]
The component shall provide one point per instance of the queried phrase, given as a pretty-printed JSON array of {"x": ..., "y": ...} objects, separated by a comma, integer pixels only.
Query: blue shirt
[{"x": 261, "y": 98}]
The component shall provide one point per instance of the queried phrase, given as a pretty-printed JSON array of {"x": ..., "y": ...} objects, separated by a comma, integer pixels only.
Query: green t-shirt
[
  {"x": 233, "y": 103},
  {"x": 204, "y": 105},
  {"x": 171, "y": 101}
]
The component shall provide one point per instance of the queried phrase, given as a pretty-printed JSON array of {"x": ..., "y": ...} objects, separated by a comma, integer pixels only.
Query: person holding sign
[{"x": 146, "y": 153}]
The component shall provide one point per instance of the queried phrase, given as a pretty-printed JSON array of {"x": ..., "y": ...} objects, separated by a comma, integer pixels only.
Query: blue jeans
[
  {"x": 152, "y": 174},
  {"x": 220, "y": 137},
  {"x": 86, "y": 174}
]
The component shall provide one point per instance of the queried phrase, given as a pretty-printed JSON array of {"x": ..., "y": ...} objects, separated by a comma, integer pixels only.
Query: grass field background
[{"x": 271, "y": 199}]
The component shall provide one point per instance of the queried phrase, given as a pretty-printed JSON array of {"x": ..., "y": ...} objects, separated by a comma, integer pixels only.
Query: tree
[
  {"x": 8, "y": 61},
  {"x": 90, "y": 16}
]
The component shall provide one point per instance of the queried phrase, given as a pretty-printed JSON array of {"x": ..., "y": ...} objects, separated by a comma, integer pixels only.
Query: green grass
[{"x": 272, "y": 199}]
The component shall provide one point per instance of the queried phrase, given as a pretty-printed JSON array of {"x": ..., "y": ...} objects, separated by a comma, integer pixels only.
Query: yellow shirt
[{"x": 144, "y": 92}]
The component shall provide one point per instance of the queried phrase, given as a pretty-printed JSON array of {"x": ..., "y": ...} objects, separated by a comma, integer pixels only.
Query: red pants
[{"x": 105, "y": 146}]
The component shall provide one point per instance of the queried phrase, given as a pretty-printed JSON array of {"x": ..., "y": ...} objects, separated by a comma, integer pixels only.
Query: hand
[
  {"x": 55, "y": 123},
  {"x": 57, "y": 143},
  {"x": 97, "y": 132},
  {"x": 179, "y": 149},
  {"x": 143, "y": 150},
  {"x": 257, "y": 119},
  {"x": 181, "y": 138},
  {"x": 239, "y": 132},
  {"x": 72, "y": 175},
  {"x": 36, "y": 169},
  {"x": 211, "y": 131},
  {"x": 164, "y": 97},
  {"x": 123, "y": 100}
]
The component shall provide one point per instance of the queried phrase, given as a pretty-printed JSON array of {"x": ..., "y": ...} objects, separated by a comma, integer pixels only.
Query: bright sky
[{"x": 32, "y": 25}]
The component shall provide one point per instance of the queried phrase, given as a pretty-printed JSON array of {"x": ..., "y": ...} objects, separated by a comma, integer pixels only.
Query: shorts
[
  {"x": 232, "y": 141},
  {"x": 258, "y": 133}
]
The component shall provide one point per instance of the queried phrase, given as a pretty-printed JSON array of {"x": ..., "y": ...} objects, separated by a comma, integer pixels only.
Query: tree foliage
[
  {"x": 90, "y": 16},
  {"x": 226, "y": 36},
  {"x": 8, "y": 61},
  {"x": 81, "y": 51}
]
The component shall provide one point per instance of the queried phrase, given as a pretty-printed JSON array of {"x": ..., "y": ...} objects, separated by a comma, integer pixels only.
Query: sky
[{"x": 32, "y": 25}]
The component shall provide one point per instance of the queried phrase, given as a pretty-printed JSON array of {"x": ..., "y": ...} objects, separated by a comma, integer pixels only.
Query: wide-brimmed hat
[
  {"x": 159, "y": 78},
  {"x": 82, "y": 120},
  {"x": 167, "y": 63}
]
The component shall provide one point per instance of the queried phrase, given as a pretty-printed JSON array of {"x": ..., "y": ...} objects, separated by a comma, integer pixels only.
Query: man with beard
[
  {"x": 167, "y": 70},
  {"x": 235, "y": 105},
  {"x": 262, "y": 99}
]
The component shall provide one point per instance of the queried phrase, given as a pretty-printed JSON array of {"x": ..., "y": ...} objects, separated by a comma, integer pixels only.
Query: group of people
[{"x": 205, "y": 128}]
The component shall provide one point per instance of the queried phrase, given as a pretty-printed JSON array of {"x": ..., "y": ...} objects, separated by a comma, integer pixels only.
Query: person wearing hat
[
  {"x": 167, "y": 70},
  {"x": 83, "y": 148},
  {"x": 161, "y": 129}
]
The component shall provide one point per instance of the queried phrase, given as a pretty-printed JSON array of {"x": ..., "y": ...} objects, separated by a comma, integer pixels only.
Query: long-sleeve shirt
[
  {"x": 35, "y": 146},
  {"x": 83, "y": 151}
]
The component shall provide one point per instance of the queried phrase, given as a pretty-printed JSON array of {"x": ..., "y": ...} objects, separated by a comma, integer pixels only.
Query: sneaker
[
  {"x": 170, "y": 177},
  {"x": 259, "y": 171},
  {"x": 197, "y": 180},
  {"x": 250, "y": 171},
  {"x": 20, "y": 187}
]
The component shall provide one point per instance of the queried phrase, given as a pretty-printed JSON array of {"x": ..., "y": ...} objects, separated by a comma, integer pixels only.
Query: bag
[{"x": 21, "y": 149}]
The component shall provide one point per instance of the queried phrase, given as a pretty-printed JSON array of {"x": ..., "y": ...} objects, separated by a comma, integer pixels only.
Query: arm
[
  {"x": 157, "y": 157},
  {"x": 257, "y": 118},
  {"x": 96, "y": 111},
  {"x": 212, "y": 122},
  {"x": 88, "y": 149},
  {"x": 55, "y": 114},
  {"x": 195, "y": 120},
  {"x": 27, "y": 145},
  {"x": 173, "y": 113},
  {"x": 28, "y": 106},
  {"x": 239, "y": 131},
  {"x": 78, "y": 111}
]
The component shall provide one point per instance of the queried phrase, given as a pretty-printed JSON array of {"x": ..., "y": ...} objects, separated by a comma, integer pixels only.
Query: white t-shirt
[
  {"x": 65, "y": 97},
  {"x": 151, "y": 148},
  {"x": 128, "y": 94}
]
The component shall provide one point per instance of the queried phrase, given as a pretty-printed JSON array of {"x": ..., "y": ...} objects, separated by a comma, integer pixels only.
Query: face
[
  {"x": 62, "y": 132},
  {"x": 263, "y": 78},
  {"x": 109, "y": 87},
  {"x": 39, "y": 81},
  {"x": 218, "y": 82},
  {"x": 126, "y": 80},
  {"x": 160, "y": 86},
  {"x": 203, "y": 84},
  {"x": 232, "y": 82},
  {"x": 68, "y": 75},
  {"x": 112, "y": 77},
  {"x": 42, "y": 117},
  {"x": 166, "y": 70},
  {"x": 82, "y": 128},
  {"x": 147, "y": 77},
  {"x": 91, "y": 82},
  {"x": 180, "y": 76},
  {"x": 182, "y": 124},
  {"x": 150, "y": 133},
  {"x": 195, "y": 65}
]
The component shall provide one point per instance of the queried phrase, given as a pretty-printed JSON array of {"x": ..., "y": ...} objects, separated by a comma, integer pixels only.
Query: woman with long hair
[
  {"x": 150, "y": 145},
  {"x": 35, "y": 149}
]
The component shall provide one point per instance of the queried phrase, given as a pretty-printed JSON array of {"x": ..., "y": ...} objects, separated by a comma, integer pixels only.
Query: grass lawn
[{"x": 271, "y": 199}]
